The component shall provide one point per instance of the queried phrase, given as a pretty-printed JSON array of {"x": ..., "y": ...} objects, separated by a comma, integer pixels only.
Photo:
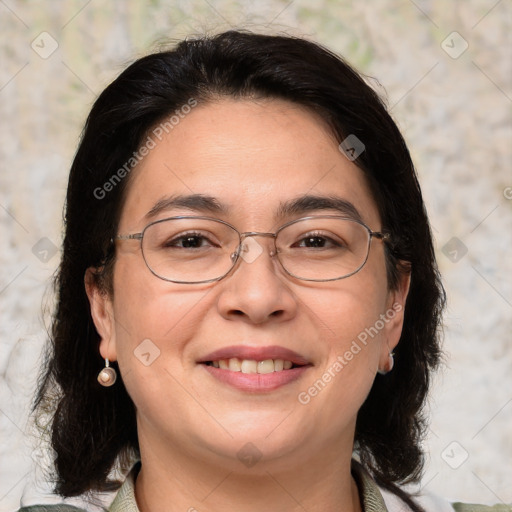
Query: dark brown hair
[{"x": 93, "y": 426}]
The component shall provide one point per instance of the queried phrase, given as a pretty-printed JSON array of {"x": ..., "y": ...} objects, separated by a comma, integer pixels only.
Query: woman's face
[{"x": 252, "y": 158}]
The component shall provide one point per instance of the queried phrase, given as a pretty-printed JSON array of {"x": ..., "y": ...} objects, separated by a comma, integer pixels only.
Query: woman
[{"x": 247, "y": 255}]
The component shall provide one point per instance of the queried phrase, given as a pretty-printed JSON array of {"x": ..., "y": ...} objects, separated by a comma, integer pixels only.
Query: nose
[{"x": 257, "y": 290}]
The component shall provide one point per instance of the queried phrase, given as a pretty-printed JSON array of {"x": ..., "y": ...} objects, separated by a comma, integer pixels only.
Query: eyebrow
[
  {"x": 298, "y": 206},
  {"x": 311, "y": 203},
  {"x": 195, "y": 202}
]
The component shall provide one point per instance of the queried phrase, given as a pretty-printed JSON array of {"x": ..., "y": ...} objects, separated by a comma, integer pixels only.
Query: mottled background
[{"x": 446, "y": 68}]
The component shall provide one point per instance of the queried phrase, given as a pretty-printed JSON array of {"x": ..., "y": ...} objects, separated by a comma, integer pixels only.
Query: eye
[
  {"x": 319, "y": 241},
  {"x": 189, "y": 241}
]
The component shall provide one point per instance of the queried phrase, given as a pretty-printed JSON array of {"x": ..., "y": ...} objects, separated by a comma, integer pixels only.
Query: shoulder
[
  {"x": 62, "y": 507},
  {"x": 433, "y": 503},
  {"x": 467, "y": 507},
  {"x": 377, "y": 499},
  {"x": 430, "y": 502}
]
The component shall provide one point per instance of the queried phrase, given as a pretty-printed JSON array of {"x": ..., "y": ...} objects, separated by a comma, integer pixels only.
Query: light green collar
[{"x": 371, "y": 497}]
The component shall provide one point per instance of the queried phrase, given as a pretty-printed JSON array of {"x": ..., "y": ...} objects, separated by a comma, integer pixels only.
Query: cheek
[
  {"x": 157, "y": 323},
  {"x": 349, "y": 316},
  {"x": 350, "y": 307},
  {"x": 154, "y": 319},
  {"x": 352, "y": 335}
]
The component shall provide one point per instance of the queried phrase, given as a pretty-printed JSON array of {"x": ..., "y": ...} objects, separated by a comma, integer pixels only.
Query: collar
[{"x": 369, "y": 493}]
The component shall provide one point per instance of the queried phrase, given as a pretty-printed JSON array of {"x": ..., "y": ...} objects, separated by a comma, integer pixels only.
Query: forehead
[{"x": 252, "y": 156}]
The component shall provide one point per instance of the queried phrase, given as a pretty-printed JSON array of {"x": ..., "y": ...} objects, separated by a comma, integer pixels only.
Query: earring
[
  {"x": 107, "y": 376},
  {"x": 389, "y": 366}
]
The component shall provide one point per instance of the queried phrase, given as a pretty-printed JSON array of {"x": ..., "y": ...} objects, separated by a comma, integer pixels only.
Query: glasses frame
[{"x": 235, "y": 256}]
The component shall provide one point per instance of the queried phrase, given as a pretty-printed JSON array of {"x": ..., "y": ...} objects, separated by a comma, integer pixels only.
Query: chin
[{"x": 263, "y": 440}]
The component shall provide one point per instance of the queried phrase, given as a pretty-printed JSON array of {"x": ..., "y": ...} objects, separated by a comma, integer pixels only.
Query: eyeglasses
[{"x": 193, "y": 250}]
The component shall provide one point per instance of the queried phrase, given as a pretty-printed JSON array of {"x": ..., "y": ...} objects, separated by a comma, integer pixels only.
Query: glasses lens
[
  {"x": 189, "y": 250},
  {"x": 323, "y": 248}
]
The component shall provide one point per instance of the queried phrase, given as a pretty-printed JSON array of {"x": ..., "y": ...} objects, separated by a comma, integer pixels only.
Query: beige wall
[{"x": 455, "y": 112}]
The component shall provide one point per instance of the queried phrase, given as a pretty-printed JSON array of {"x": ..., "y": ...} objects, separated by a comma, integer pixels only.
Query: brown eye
[
  {"x": 317, "y": 241},
  {"x": 189, "y": 241}
]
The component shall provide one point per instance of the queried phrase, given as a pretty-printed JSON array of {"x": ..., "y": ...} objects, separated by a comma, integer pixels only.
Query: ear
[
  {"x": 394, "y": 318},
  {"x": 102, "y": 313}
]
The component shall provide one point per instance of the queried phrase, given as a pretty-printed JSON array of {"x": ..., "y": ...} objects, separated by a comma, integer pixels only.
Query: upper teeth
[{"x": 252, "y": 366}]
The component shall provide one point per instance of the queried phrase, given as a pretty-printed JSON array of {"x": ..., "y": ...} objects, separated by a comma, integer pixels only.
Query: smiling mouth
[{"x": 235, "y": 364}]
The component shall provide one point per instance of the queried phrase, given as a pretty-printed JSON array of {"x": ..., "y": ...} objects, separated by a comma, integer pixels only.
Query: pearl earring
[
  {"x": 389, "y": 366},
  {"x": 107, "y": 376}
]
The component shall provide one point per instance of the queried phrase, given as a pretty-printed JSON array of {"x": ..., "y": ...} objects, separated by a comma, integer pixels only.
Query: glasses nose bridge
[
  {"x": 251, "y": 234},
  {"x": 242, "y": 248},
  {"x": 247, "y": 234}
]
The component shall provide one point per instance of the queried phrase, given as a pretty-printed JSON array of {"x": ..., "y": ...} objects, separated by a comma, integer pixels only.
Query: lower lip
[{"x": 256, "y": 382}]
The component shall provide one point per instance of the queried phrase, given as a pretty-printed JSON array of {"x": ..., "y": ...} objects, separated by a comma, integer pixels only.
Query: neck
[{"x": 178, "y": 481}]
